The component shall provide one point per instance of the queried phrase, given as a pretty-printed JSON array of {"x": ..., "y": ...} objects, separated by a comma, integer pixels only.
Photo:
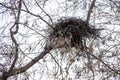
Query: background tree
[{"x": 24, "y": 34}]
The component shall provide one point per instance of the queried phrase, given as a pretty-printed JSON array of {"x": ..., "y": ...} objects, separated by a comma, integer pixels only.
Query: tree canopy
[{"x": 59, "y": 39}]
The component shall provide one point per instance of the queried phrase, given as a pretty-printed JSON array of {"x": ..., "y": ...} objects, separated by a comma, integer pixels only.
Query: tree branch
[
  {"x": 12, "y": 33},
  {"x": 27, "y": 66},
  {"x": 90, "y": 11}
]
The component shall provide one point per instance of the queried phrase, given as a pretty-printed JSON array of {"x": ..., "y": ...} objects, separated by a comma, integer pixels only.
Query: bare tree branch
[
  {"x": 115, "y": 3},
  {"x": 90, "y": 10},
  {"x": 27, "y": 66},
  {"x": 12, "y": 33}
]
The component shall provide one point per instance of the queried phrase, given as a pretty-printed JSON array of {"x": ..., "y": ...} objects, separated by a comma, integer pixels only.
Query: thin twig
[
  {"x": 44, "y": 12},
  {"x": 103, "y": 62},
  {"x": 56, "y": 62},
  {"x": 90, "y": 63},
  {"x": 9, "y": 7}
]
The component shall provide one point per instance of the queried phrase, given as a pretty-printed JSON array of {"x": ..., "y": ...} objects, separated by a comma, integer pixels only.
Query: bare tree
[{"x": 66, "y": 39}]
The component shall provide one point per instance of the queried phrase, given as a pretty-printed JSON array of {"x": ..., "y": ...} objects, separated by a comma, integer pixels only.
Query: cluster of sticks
[{"x": 75, "y": 29}]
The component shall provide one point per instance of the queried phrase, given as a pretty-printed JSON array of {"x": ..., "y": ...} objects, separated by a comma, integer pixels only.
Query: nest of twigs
[{"x": 72, "y": 32}]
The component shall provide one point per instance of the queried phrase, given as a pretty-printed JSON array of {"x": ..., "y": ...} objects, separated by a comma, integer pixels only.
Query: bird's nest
[{"x": 72, "y": 32}]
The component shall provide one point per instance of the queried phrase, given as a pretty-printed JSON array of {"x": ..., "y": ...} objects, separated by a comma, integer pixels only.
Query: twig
[
  {"x": 103, "y": 62},
  {"x": 90, "y": 65},
  {"x": 56, "y": 62},
  {"x": 114, "y": 2},
  {"x": 44, "y": 12},
  {"x": 9, "y": 7}
]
